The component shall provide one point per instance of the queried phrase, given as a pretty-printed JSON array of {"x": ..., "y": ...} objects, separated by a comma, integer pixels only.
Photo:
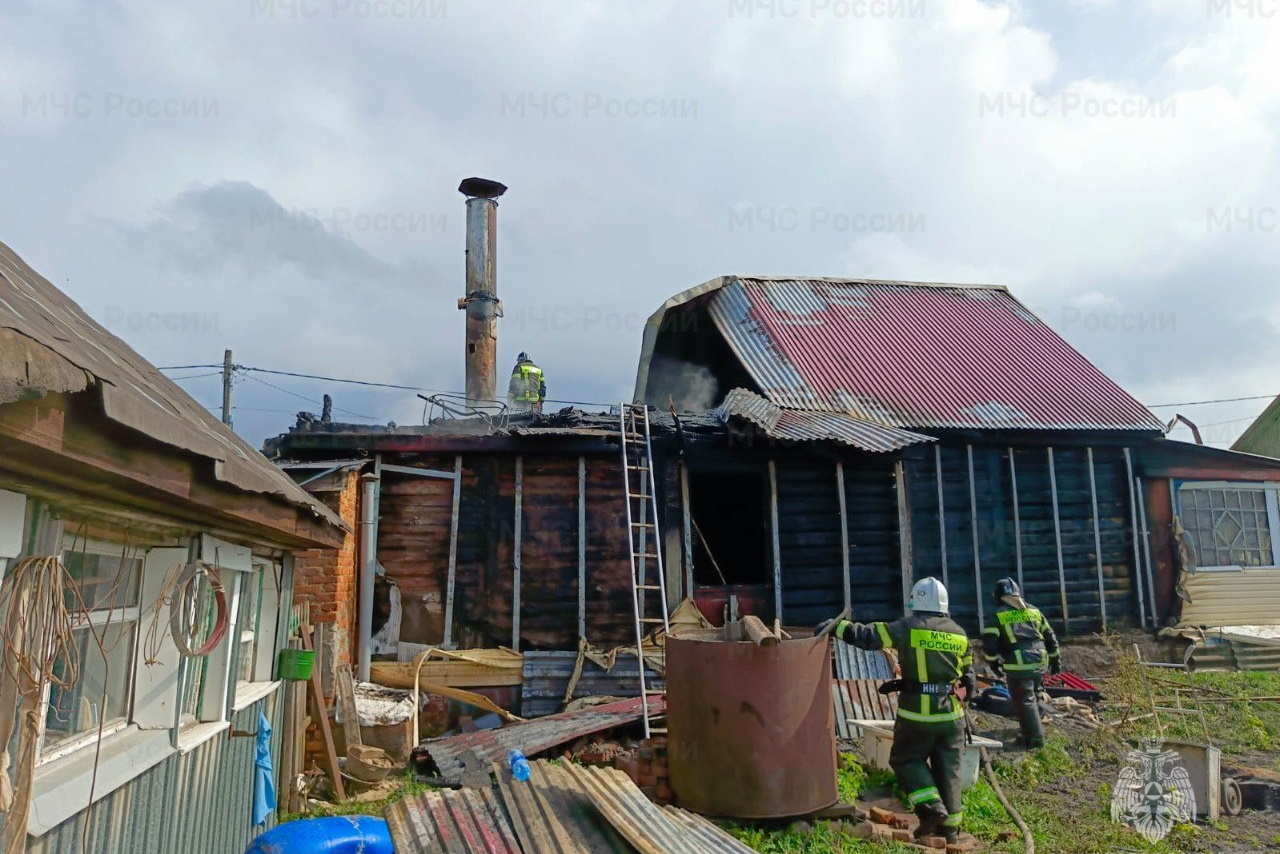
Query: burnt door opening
[{"x": 729, "y": 509}]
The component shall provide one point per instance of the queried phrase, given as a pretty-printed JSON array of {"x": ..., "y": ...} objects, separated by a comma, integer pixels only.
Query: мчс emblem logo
[{"x": 1153, "y": 792}]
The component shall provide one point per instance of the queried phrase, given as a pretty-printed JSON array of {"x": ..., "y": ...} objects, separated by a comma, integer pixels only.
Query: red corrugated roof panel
[{"x": 908, "y": 354}]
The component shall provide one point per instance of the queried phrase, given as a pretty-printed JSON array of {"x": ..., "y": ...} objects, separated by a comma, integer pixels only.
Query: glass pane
[
  {"x": 204, "y": 614},
  {"x": 81, "y": 707},
  {"x": 247, "y": 621},
  {"x": 104, "y": 581}
]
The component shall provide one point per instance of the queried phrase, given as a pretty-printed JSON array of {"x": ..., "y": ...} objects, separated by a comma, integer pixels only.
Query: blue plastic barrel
[{"x": 339, "y": 834}]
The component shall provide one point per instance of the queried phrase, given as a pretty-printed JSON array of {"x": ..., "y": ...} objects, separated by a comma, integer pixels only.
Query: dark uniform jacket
[
  {"x": 1021, "y": 640},
  {"x": 933, "y": 652}
]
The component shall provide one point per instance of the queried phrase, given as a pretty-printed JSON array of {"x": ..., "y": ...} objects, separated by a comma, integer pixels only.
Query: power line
[
  {"x": 308, "y": 399},
  {"x": 195, "y": 376},
  {"x": 1203, "y": 402}
]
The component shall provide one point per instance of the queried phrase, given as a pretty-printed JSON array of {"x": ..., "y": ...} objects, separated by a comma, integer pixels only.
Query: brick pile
[{"x": 645, "y": 764}]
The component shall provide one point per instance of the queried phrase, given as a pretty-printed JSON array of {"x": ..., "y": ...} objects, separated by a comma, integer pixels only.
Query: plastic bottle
[{"x": 519, "y": 765}]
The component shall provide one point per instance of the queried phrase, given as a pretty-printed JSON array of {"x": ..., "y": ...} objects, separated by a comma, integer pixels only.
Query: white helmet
[{"x": 930, "y": 595}]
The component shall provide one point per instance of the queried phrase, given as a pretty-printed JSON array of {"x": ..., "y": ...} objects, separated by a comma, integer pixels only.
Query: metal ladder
[{"x": 642, "y": 534}]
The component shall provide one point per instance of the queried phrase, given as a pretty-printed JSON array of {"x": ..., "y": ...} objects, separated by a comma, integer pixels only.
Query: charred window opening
[{"x": 732, "y": 526}]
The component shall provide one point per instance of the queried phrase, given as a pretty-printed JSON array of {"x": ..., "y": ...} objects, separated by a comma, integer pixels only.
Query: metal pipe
[
  {"x": 1097, "y": 538},
  {"x": 942, "y": 513},
  {"x": 973, "y": 527},
  {"x": 515, "y": 555},
  {"x": 844, "y": 537},
  {"x": 1146, "y": 552},
  {"x": 1133, "y": 528},
  {"x": 1057, "y": 538},
  {"x": 1017, "y": 518},
  {"x": 481, "y": 301},
  {"x": 452, "y": 580},
  {"x": 582, "y": 548},
  {"x": 777, "y": 549},
  {"x": 371, "y": 486}
]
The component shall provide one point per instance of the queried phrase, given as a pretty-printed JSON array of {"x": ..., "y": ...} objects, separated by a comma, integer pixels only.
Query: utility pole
[{"x": 227, "y": 368}]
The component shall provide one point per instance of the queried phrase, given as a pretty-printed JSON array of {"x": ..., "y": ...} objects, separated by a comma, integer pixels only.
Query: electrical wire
[{"x": 308, "y": 399}]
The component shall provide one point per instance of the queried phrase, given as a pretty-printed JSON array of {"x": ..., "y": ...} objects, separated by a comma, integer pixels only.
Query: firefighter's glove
[
  {"x": 1055, "y": 666},
  {"x": 893, "y": 686},
  {"x": 970, "y": 684},
  {"x": 824, "y": 627}
]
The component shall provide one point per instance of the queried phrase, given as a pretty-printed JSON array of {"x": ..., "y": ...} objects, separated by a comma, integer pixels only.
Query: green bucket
[{"x": 295, "y": 664}]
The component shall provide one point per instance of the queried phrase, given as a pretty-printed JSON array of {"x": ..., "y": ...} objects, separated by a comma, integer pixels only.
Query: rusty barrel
[{"x": 750, "y": 728}]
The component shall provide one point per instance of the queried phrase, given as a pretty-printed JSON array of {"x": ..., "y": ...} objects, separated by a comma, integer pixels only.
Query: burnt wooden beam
[
  {"x": 905, "y": 549},
  {"x": 844, "y": 535},
  {"x": 777, "y": 549},
  {"x": 451, "y": 580},
  {"x": 1057, "y": 538},
  {"x": 516, "y": 556},
  {"x": 582, "y": 548},
  {"x": 1133, "y": 530},
  {"x": 942, "y": 513}
]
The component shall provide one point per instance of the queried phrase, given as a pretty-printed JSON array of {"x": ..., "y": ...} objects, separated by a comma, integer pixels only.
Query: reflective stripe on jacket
[
  {"x": 1021, "y": 639},
  {"x": 526, "y": 384},
  {"x": 931, "y": 649}
]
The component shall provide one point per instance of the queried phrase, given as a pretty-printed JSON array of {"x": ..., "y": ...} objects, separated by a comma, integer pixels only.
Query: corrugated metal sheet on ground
[
  {"x": 1245, "y": 597},
  {"x": 910, "y": 354},
  {"x": 1239, "y": 647},
  {"x": 451, "y": 821},
  {"x": 546, "y": 676},
  {"x": 651, "y": 829},
  {"x": 803, "y": 426},
  {"x": 860, "y": 699},
  {"x": 553, "y": 815},
  {"x": 855, "y": 663},
  {"x": 450, "y": 755}
]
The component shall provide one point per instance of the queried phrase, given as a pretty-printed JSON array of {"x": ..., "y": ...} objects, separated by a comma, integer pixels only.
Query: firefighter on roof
[
  {"x": 1019, "y": 647},
  {"x": 528, "y": 388},
  {"x": 929, "y": 733}
]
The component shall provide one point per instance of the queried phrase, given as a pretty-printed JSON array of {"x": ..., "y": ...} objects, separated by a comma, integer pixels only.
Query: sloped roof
[
  {"x": 805, "y": 426},
  {"x": 1263, "y": 435},
  {"x": 903, "y": 354},
  {"x": 51, "y": 345}
]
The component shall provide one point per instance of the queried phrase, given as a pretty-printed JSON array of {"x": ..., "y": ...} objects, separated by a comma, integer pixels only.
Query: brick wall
[{"x": 327, "y": 579}]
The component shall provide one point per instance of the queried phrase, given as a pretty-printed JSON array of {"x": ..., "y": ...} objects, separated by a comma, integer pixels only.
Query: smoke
[{"x": 693, "y": 387}]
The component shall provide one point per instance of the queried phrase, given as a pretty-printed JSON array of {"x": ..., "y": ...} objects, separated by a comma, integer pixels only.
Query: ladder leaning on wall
[{"x": 643, "y": 541}]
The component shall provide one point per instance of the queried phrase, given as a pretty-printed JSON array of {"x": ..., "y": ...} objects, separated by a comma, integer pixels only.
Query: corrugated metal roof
[
  {"x": 452, "y": 755},
  {"x": 644, "y": 824},
  {"x": 803, "y": 426},
  {"x": 1246, "y": 597},
  {"x": 907, "y": 354},
  {"x": 51, "y": 345},
  {"x": 553, "y": 815},
  {"x": 453, "y": 821}
]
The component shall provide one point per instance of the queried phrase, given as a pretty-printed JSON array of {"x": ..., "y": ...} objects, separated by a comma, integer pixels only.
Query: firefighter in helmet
[
  {"x": 1020, "y": 646},
  {"x": 528, "y": 388},
  {"x": 929, "y": 732}
]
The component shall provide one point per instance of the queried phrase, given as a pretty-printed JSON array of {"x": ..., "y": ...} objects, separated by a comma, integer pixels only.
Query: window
[
  {"x": 1229, "y": 526},
  {"x": 104, "y": 606},
  {"x": 203, "y": 613},
  {"x": 249, "y": 622}
]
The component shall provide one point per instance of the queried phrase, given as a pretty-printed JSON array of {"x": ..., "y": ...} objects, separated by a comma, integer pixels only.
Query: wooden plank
[
  {"x": 1057, "y": 538},
  {"x": 844, "y": 537},
  {"x": 515, "y": 555},
  {"x": 942, "y": 513},
  {"x": 582, "y": 548},
  {"x": 345, "y": 697},
  {"x": 777, "y": 550},
  {"x": 452, "y": 577},
  {"x": 317, "y": 696},
  {"x": 977, "y": 550},
  {"x": 906, "y": 554}
]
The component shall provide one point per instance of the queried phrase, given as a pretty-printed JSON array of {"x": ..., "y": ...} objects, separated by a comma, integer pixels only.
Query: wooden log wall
[
  {"x": 413, "y": 545},
  {"x": 998, "y": 538}
]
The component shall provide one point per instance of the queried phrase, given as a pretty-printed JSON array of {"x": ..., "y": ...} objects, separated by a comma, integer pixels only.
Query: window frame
[
  {"x": 1271, "y": 496},
  {"x": 97, "y": 618}
]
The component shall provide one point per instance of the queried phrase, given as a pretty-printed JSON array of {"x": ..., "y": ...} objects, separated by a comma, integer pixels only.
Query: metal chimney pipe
[{"x": 481, "y": 302}]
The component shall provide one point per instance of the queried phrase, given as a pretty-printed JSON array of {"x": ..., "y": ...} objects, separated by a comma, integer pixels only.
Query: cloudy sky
[{"x": 279, "y": 177}]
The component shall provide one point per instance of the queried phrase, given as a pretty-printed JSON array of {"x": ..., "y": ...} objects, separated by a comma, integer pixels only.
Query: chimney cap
[{"x": 481, "y": 188}]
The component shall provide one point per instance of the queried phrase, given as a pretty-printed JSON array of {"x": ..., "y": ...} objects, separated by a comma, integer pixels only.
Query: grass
[
  {"x": 1063, "y": 790},
  {"x": 406, "y": 787}
]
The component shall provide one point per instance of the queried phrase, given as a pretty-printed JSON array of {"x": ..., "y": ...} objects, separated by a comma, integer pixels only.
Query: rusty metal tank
[{"x": 750, "y": 728}]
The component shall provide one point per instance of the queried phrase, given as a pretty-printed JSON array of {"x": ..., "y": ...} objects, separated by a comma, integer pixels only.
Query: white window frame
[
  {"x": 1271, "y": 493},
  {"x": 97, "y": 618},
  {"x": 263, "y": 584}
]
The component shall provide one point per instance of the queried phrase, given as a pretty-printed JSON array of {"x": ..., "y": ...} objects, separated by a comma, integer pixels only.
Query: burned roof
[
  {"x": 901, "y": 354},
  {"x": 807, "y": 426},
  {"x": 50, "y": 345}
]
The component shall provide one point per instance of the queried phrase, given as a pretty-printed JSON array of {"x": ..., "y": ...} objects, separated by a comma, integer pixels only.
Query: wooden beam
[
  {"x": 345, "y": 697},
  {"x": 977, "y": 546},
  {"x": 1097, "y": 538},
  {"x": 777, "y": 550},
  {"x": 582, "y": 548},
  {"x": 1057, "y": 538},
  {"x": 516, "y": 556},
  {"x": 1017, "y": 517},
  {"x": 942, "y": 513},
  {"x": 844, "y": 537},
  {"x": 451, "y": 580},
  {"x": 1133, "y": 531},
  {"x": 906, "y": 550},
  {"x": 687, "y": 522},
  {"x": 317, "y": 697}
]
